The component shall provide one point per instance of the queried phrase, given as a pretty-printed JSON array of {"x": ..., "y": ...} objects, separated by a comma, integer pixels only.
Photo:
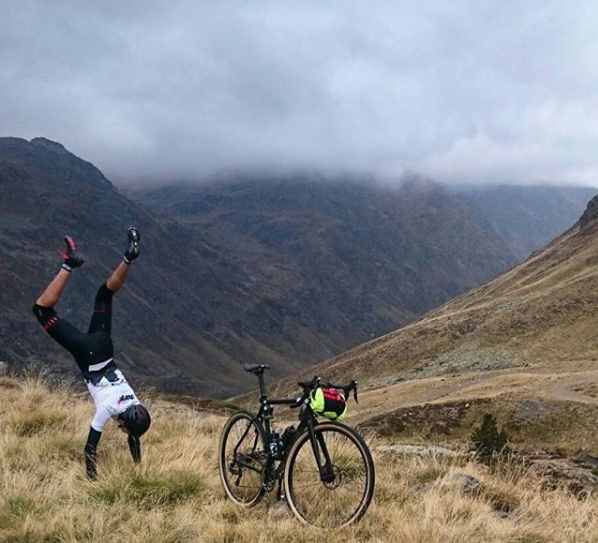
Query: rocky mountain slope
[
  {"x": 343, "y": 254},
  {"x": 525, "y": 217},
  {"x": 195, "y": 310},
  {"x": 174, "y": 320},
  {"x": 541, "y": 312}
]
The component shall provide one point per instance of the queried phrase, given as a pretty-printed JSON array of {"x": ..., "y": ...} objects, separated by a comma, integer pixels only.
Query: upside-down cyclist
[{"x": 93, "y": 352}]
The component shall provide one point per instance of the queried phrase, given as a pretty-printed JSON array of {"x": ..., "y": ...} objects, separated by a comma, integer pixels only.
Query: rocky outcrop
[
  {"x": 579, "y": 481},
  {"x": 590, "y": 214}
]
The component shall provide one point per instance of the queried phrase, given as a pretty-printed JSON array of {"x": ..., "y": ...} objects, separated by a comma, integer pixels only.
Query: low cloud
[{"x": 476, "y": 91}]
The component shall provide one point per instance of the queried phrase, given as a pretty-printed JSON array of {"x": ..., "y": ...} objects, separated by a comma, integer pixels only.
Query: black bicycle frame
[{"x": 307, "y": 421}]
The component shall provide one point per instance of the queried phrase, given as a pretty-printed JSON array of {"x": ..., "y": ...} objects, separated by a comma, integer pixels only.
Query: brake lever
[{"x": 354, "y": 384}]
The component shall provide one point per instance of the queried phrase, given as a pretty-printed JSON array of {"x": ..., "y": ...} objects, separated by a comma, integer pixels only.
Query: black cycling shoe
[
  {"x": 70, "y": 257},
  {"x": 132, "y": 251}
]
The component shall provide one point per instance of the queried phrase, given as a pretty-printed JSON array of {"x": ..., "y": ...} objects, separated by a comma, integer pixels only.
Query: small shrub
[{"x": 488, "y": 439}]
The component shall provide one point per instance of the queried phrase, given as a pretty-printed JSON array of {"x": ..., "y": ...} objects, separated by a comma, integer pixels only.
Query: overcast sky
[{"x": 463, "y": 91}]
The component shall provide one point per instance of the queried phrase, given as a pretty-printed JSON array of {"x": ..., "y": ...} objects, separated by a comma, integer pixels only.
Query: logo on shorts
[{"x": 125, "y": 398}]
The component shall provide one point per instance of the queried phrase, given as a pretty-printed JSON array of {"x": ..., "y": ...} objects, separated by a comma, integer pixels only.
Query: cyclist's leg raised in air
[
  {"x": 60, "y": 330},
  {"x": 101, "y": 319}
]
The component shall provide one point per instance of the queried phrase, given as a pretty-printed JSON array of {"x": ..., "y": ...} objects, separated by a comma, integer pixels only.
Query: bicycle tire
[
  {"x": 337, "y": 503},
  {"x": 242, "y": 474}
]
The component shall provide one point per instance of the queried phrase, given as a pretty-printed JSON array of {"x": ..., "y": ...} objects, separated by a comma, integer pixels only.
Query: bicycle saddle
[{"x": 256, "y": 368}]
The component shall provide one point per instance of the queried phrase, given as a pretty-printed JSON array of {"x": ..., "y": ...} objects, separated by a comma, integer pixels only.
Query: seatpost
[{"x": 262, "y": 386}]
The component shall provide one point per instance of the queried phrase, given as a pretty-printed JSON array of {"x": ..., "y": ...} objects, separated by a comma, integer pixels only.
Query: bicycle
[{"x": 324, "y": 470}]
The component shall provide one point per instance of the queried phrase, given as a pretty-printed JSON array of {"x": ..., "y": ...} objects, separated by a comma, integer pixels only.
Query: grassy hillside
[
  {"x": 523, "y": 346},
  {"x": 541, "y": 313},
  {"x": 175, "y": 494}
]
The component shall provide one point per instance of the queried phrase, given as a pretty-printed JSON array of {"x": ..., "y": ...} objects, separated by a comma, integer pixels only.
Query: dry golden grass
[{"x": 175, "y": 494}]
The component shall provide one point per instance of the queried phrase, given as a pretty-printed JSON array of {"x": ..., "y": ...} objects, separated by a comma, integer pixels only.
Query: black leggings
[{"x": 91, "y": 348}]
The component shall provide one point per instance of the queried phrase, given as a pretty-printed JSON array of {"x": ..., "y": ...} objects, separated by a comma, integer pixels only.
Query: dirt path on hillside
[{"x": 577, "y": 386}]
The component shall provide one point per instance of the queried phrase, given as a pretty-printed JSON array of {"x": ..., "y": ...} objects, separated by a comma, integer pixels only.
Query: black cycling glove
[
  {"x": 135, "y": 448},
  {"x": 91, "y": 467},
  {"x": 70, "y": 257}
]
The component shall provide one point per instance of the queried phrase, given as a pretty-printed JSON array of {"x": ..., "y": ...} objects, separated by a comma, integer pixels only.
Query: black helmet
[{"x": 136, "y": 419}]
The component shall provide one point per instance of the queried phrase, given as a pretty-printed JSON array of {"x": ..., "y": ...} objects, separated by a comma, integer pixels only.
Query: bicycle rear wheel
[
  {"x": 242, "y": 459},
  {"x": 343, "y": 493}
]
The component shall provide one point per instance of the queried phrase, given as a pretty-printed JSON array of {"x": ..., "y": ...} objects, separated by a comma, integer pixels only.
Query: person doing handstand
[{"x": 94, "y": 351}]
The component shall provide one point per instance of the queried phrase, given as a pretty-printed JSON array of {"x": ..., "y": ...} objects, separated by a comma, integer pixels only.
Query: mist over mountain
[{"x": 478, "y": 91}]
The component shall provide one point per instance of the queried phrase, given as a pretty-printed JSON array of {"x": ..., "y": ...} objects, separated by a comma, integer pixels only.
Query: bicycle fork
[{"x": 318, "y": 445}]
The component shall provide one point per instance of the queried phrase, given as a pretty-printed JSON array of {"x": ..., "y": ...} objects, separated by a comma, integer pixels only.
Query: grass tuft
[
  {"x": 15, "y": 507},
  {"x": 430, "y": 474},
  {"x": 29, "y": 423},
  {"x": 148, "y": 490},
  {"x": 530, "y": 538}
]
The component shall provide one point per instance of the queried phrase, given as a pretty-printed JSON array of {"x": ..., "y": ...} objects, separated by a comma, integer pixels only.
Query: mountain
[
  {"x": 297, "y": 272},
  {"x": 347, "y": 257},
  {"x": 538, "y": 313},
  {"x": 288, "y": 270},
  {"x": 523, "y": 346},
  {"x": 525, "y": 217}
]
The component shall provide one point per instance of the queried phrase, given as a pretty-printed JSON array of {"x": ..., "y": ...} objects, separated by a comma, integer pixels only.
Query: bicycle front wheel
[
  {"x": 242, "y": 459},
  {"x": 340, "y": 494}
]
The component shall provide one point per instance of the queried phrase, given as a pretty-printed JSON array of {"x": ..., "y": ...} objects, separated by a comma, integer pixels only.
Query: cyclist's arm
[
  {"x": 101, "y": 417},
  {"x": 91, "y": 467},
  {"x": 135, "y": 448}
]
